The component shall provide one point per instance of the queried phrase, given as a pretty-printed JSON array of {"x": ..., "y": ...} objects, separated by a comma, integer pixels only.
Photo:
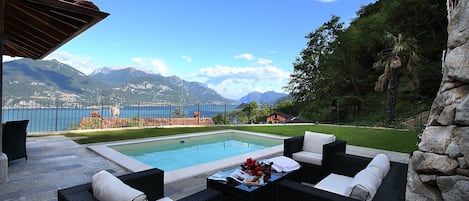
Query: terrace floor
[{"x": 56, "y": 162}]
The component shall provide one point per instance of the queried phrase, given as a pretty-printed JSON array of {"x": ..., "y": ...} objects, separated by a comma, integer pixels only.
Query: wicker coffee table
[{"x": 237, "y": 191}]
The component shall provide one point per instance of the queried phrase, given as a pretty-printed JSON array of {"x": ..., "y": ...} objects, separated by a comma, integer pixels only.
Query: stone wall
[{"x": 439, "y": 169}]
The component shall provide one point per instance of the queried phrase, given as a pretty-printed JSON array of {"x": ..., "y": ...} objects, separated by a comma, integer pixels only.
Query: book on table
[
  {"x": 220, "y": 176},
  {"x": 237, "y": 176}
]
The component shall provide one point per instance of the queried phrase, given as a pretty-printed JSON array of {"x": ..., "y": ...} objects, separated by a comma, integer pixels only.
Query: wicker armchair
[
  {"x": 313, "y": 172},
  {"x": 14, "y": 139}
]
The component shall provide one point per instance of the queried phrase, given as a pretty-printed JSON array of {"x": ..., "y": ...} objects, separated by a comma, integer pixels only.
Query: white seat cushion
[
  {"x": 381, "y": 162},
  {"x": 107, "y": 187},
  {"x": 308, "y": 157},
  {"x": 335, "y": 183},
  {"x": 313, "y": 142}
]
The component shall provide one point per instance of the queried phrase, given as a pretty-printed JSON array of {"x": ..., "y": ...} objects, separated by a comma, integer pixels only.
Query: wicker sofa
[
  {"x": 312, "y": 172},
  {"x": 392, "y": 187},
  {"x": 149, "y": 182}
]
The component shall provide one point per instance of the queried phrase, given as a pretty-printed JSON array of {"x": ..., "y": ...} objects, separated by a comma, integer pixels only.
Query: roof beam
[
  {"x": 68, "y": 6},
  {"x": 37, "y": 38},
  {"x": 2, "y": 19},
  {"x": 27, "y": 12}
]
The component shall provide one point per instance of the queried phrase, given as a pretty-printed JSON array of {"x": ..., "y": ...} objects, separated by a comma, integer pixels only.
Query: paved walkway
[
  {"x": 53, "y": 163},
  {"x": 56, "y": 162}
]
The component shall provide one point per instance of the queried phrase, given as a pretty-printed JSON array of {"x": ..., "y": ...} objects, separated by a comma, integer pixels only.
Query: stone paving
[
  {"x": 53, "y": 163},
  {"x": 56, "y": 162}
]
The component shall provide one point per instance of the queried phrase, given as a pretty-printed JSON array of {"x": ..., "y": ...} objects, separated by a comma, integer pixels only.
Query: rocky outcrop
[{"x": 439, "y": 169}]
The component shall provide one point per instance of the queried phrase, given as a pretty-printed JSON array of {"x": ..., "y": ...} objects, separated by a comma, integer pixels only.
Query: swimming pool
[
  {"x": 272, "y": 146},
  {"x": 183, "y": 152}
]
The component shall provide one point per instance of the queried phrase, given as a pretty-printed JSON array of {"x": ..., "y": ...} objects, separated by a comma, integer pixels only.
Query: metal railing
[{"x": 63, "y": 116}]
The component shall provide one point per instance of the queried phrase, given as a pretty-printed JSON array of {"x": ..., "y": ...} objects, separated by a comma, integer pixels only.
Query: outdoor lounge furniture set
[{"x": 326, "y": 173}]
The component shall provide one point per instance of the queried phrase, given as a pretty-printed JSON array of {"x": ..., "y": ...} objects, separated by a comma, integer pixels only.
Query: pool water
[{"x": 179, "y": 153}]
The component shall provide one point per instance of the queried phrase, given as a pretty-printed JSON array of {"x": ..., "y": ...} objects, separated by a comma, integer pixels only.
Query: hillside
[
  {"x": 27, "y": 81},
  {"x": 380, "y": 69},
  {"x": 149, "y": 87}
]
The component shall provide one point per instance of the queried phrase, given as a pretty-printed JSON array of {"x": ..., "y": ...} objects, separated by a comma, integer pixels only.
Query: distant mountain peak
[
  {"x": 268, "y": 97},
  {"x": 117, "y": 76},
  {"x": 108, "y": 70}
]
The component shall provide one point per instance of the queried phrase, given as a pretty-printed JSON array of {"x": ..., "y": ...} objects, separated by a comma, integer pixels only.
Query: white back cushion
[
  {"x": 381, "y": 162},
  {"x": 313, "y": 142},
  {"x": 364, "y": 185},
  {"x": 106, "y": 187}
]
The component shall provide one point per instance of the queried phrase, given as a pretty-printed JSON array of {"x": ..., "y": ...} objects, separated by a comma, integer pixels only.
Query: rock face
[{"x": 439, "y": 169}]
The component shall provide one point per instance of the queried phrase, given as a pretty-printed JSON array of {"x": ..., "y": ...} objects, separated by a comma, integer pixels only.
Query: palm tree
[{"x": 401, "y": 51}]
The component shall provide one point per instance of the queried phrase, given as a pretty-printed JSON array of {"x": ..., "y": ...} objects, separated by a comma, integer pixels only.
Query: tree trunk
[{"x": 393, "y": 85}]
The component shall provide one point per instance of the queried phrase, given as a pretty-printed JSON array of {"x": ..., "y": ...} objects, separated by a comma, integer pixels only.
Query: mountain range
[{"x": 29, "y": 82}]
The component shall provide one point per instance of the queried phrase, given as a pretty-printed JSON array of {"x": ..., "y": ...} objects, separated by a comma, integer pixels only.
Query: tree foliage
[
  {"x": 178, "y": 112},
  {"x": 333, "y": 78},
  {"x": 220, "y": 118},
  {"x": 245, "y": 113}
]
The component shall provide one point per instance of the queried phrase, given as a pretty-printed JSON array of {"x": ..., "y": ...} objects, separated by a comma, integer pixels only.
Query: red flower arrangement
[{"x": 257, "y": 169}]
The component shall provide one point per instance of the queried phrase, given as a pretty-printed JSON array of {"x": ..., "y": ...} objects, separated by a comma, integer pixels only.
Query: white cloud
[
  {"x": 234, "y": 82},
  {"x": 267, "y": 72},
  {"x": 152, "y": 64},
  {"x": 273, "y": 52},
  {"x": 263, "y": 61},
  {"x": 246, "y": 56},
  {"x": 8, "y": 58},
  {"x": 251, "y": 57},
  {"x": 186, "y": 58},
  {"x": 233, "y": 88},
  {"x": 82, "y": 63}
]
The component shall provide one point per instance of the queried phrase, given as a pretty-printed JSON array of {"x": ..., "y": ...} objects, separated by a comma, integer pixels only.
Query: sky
[{"x": 234, "y": 47}]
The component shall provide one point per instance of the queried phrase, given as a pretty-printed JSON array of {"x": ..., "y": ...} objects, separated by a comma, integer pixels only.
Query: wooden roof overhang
[{"x": 35, "y": 28}]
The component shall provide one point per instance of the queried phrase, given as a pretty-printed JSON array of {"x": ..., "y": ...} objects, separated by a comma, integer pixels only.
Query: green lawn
[{"x": 386, "y": 139}]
